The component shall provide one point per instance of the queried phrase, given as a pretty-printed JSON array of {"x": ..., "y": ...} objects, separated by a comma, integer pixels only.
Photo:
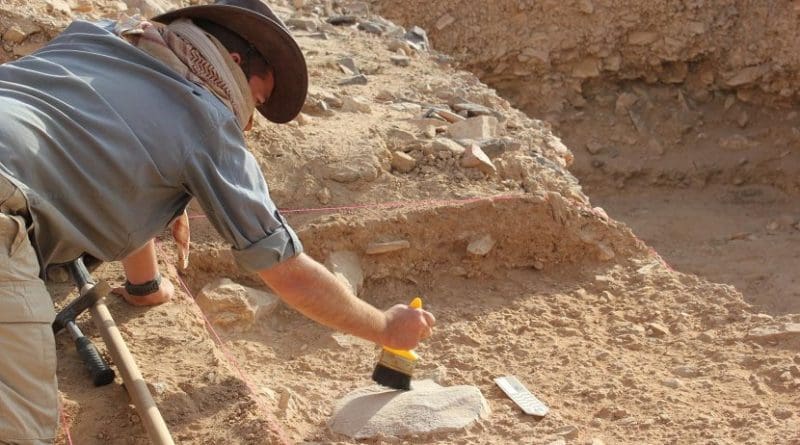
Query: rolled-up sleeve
[{"x": 226, "y": 180}]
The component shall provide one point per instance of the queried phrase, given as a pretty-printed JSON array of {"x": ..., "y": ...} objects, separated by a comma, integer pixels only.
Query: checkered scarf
[{"x": 197, "y": 56}]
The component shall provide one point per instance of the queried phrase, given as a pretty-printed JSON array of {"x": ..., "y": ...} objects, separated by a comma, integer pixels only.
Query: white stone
[
  {"x": 345, "y": 265},
  {"x": 232, "y": 306},
  {"x": 481, "y": 246},
  {"x": 427, "y": 408},
  {"x": 403, "y": 162},
  {"x": 356, "y": 104},
  {"x": 474, "y": 157},
  {"x": 477, "y": 128}
]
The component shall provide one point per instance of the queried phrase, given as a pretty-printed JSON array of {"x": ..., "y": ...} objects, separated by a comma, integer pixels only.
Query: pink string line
[
  {"x": 393, "y": 204},
  {"x": 64, "y": 422},
  {"x": 270, "y": 418}
]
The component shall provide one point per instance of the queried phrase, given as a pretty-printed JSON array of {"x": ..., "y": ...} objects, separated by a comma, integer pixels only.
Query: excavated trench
[{"x": 681, "y": 116}]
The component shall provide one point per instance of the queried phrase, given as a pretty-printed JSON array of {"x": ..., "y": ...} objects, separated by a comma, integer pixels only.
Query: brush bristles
[{"x": 391, "y": 378}]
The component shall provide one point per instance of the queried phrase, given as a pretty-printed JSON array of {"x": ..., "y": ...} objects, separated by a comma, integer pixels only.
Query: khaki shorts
[{"x": 28, "y": 391}]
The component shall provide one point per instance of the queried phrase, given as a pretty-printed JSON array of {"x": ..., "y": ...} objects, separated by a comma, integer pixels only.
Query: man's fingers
[{"x": 429, "y": 318}]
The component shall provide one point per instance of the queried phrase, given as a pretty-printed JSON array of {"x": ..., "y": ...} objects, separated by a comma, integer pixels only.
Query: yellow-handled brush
[{"x": 395, "y": 366}]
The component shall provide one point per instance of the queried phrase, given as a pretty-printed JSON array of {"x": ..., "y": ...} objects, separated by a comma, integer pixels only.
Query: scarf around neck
[{"x": 197, "y": 56}]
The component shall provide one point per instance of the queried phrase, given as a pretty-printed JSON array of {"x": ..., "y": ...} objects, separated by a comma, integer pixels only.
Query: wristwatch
[{"x": 140, "y": 290}]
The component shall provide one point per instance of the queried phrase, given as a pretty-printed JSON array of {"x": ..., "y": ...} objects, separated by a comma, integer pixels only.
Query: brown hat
[{"x": 255, "y": 22}]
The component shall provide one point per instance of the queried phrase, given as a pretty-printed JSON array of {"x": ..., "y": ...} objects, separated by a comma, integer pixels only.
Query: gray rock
[
  {"x": 348, "y": 65},
  {"x": 472, "y": 110},
  {"x": 342, "y": 20},
  {"x": 427, "y": 408},
  {"x": 372, "y": 28},
  {"x": 495, "y": 148},
  {"x": 354, "y": 80},
  {"x": 418, "y": 38},
  {"x": 400, "y": 60}
]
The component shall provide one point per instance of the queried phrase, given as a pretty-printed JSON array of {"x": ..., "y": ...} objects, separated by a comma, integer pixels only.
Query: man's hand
[
  {"x": 405, "y": 326},
  {"x": 164, "y": 293}
]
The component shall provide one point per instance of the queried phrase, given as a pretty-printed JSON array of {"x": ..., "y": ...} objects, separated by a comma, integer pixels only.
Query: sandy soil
[{"x": 623, "y": 346}]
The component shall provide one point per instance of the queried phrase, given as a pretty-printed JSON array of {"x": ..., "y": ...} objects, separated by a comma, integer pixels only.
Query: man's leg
[{"x": 28, "y": 390}]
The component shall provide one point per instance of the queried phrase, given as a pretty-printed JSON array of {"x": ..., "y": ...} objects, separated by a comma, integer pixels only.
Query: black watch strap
[{"x": 140, "y": 290}]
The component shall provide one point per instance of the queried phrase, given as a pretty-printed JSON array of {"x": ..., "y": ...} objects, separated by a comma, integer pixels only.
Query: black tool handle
[
  {"x": 101, "y": 373},
  {"x": 79, "y": 273}
]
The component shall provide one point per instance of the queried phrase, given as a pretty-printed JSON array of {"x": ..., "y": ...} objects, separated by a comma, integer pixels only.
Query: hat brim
[{"x": 272, "y": 41}]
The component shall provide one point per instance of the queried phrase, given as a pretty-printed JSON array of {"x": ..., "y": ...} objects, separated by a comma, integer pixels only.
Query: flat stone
[
  {"x": 396, "y": 137},
  {"x": 444, "y": 21},
  {"x": 748, "y": 75},
  {"x": 779, "y": 332},
  {"x": 447, "y": 145},
  {"x": 428, "y": 408},
  {"x": 387, "y": 246}
]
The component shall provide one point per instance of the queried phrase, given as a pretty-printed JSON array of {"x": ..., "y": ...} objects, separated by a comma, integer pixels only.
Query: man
[{"x": 106, "y": 134}]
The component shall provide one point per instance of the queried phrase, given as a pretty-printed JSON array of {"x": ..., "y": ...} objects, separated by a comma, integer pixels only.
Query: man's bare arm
[{"x": 309, "y": 287}]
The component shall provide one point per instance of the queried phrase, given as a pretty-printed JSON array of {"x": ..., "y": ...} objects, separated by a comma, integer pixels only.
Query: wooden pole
[{"x": 137, "y": 388}]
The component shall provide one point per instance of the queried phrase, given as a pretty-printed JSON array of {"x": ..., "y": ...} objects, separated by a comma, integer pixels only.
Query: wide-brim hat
[{"x": 255, "y": 22}]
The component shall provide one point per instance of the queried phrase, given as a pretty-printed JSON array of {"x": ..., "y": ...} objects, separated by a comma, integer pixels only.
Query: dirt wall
[{"x": 542, "y": 54}]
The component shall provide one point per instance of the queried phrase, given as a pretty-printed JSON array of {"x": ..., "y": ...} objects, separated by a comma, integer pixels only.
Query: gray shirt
[{"x": 109, "y": 145}]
